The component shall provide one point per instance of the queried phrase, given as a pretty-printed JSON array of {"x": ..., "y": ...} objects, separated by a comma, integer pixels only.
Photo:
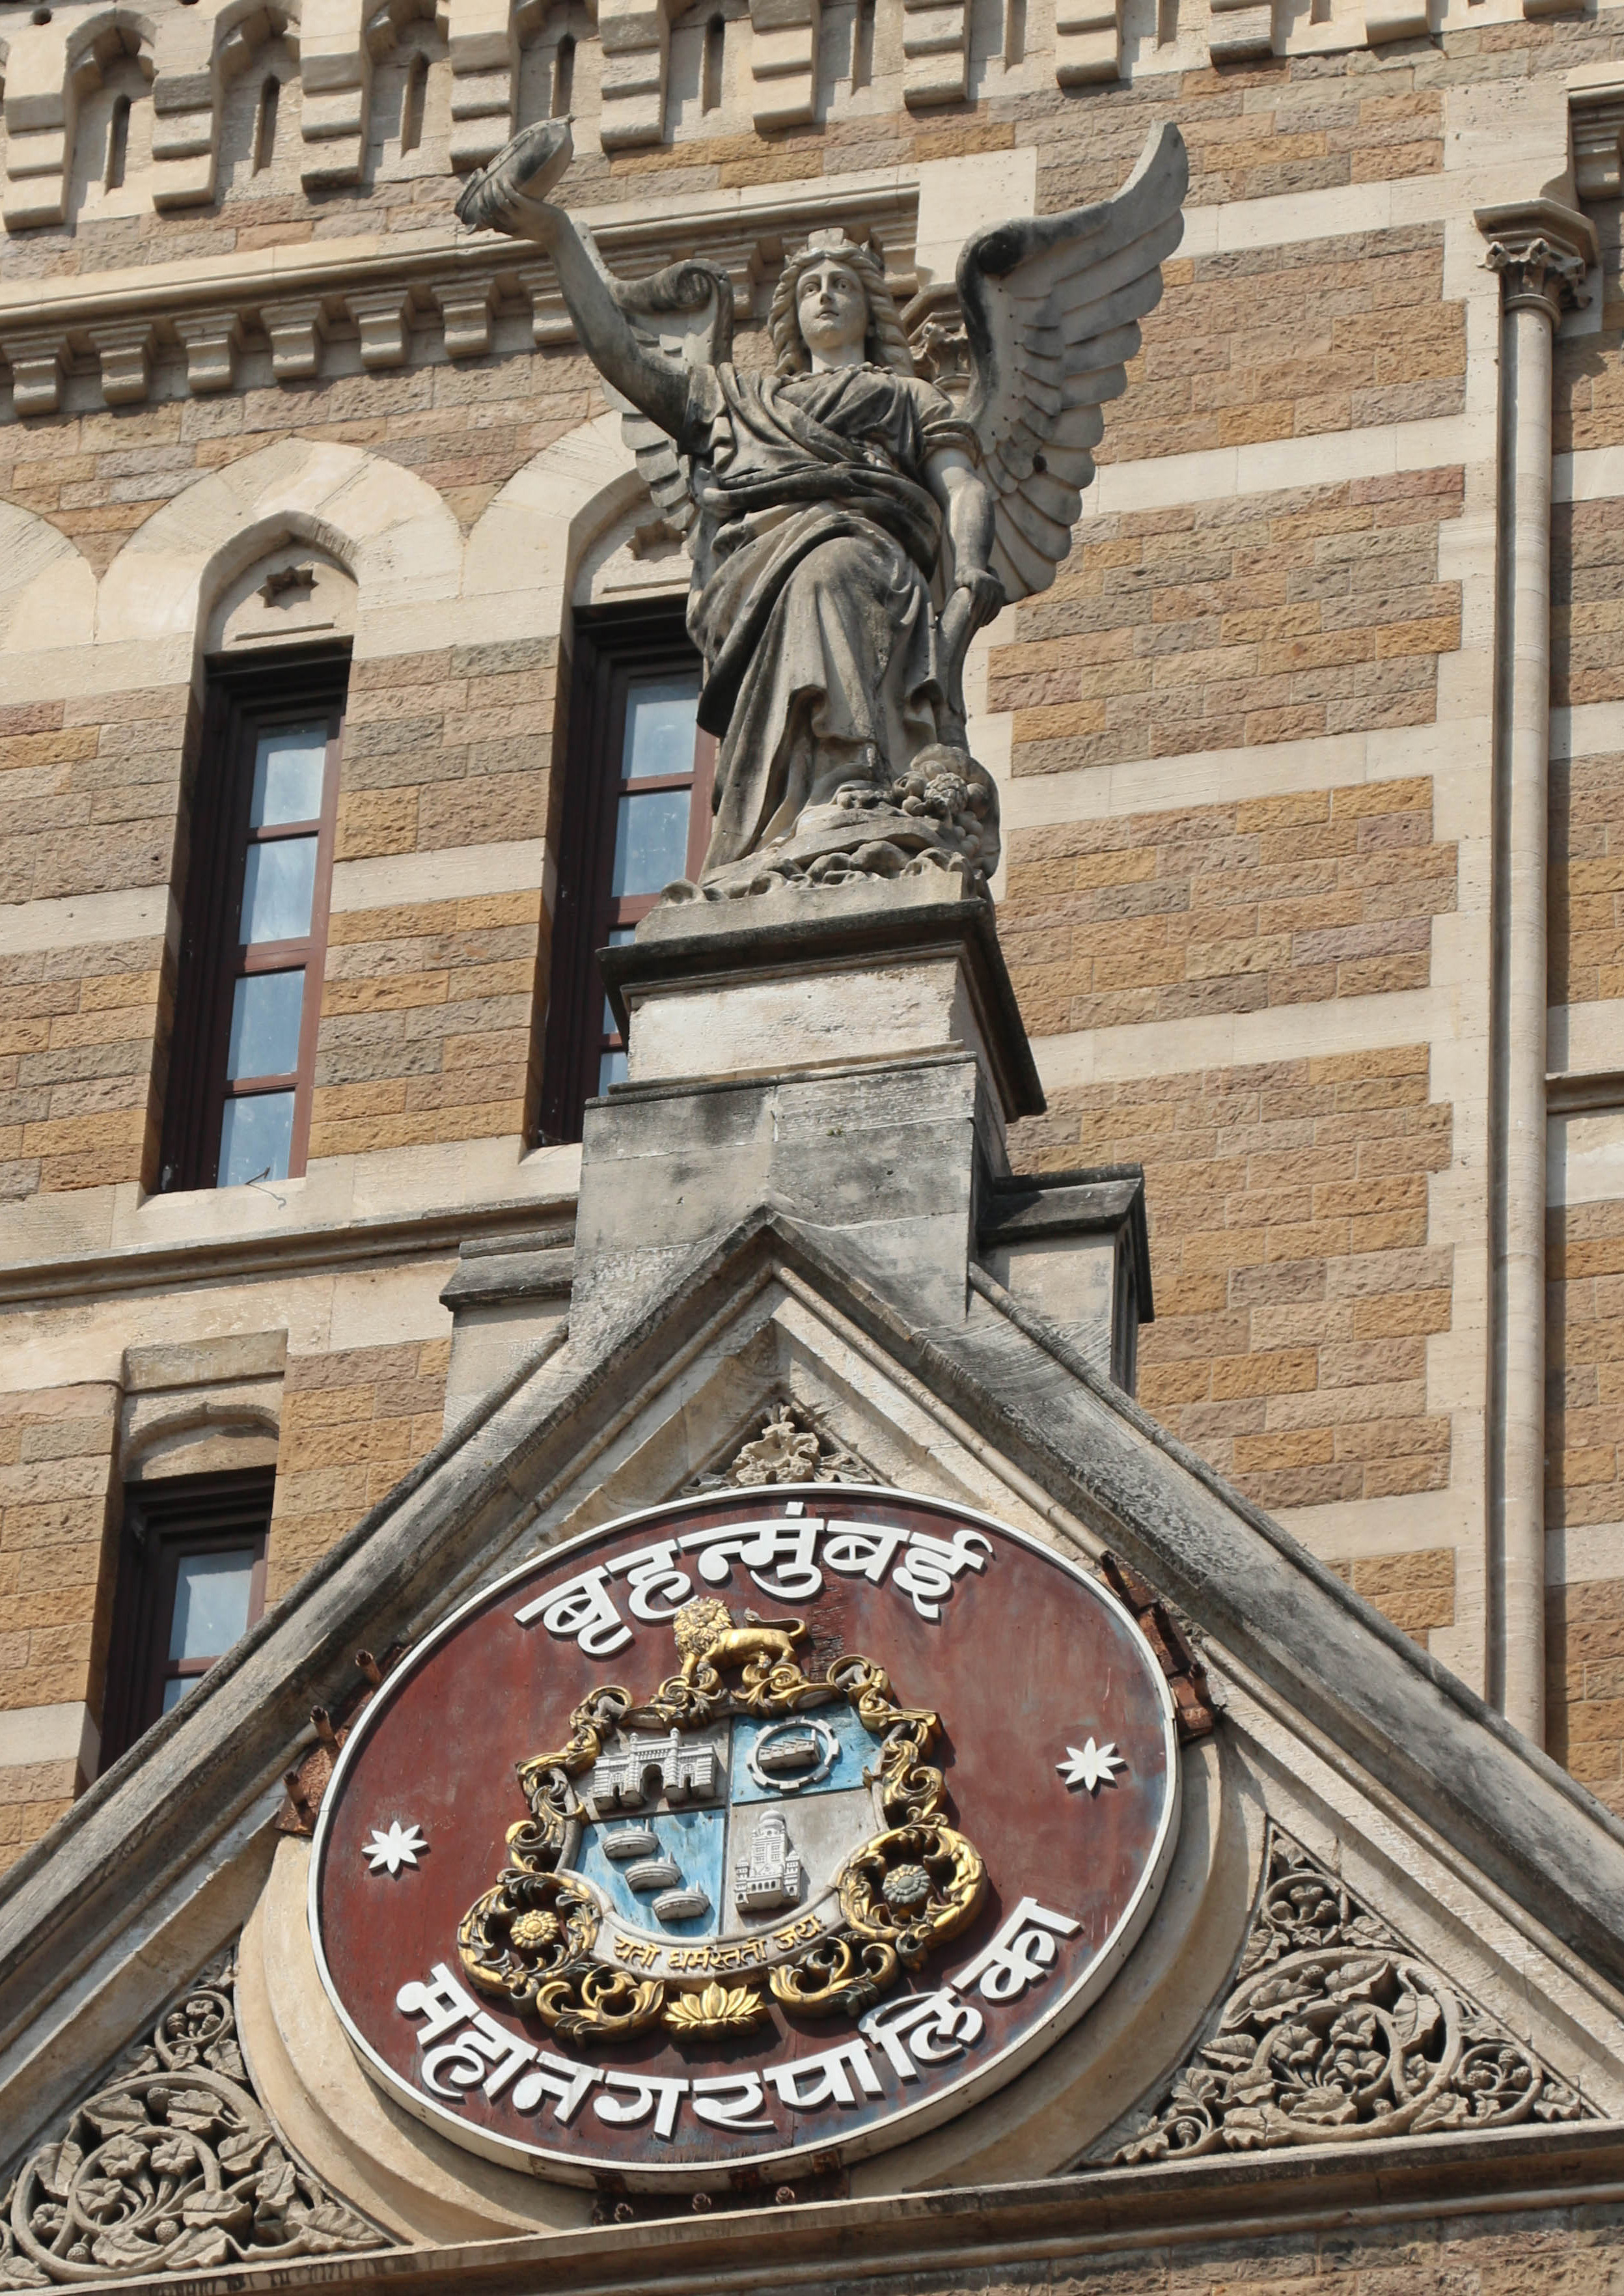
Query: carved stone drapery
[
  {"x": 788, "y": 1446},
  {"x": 1336, "y": 2031},
  {"x": 172, "y": 2165}
]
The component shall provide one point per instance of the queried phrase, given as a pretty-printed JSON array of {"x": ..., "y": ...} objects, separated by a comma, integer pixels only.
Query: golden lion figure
[{"x": 707, "y": 1637}]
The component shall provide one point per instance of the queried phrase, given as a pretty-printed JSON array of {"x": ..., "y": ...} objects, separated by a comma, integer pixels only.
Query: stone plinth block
[{"x": 872, "y": 971}]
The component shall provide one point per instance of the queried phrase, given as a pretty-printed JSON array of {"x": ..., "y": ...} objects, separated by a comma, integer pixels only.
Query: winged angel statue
[{"x": 850, "y": 525}]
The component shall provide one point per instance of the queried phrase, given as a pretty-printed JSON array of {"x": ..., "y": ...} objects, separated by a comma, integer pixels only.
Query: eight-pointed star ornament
[
  {"x": 397, "y": 1848},
  {"x": 1091, "y": 1766}
]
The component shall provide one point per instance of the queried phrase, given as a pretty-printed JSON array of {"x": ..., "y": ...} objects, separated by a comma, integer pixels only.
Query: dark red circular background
[{"x": 1027, "y": 1658}]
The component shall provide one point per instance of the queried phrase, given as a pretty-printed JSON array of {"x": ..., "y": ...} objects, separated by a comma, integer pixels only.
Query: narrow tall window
[
  {"x": 862, "y": 43},
  {"x": 412, "y": 102},
  {"x": 563, "y": 76},
  {"x": 118, "y": 144},
  {"x": 710, "y": 80},
  {"x": 264, "y": 125},
  {"x": 636, "y": 816},
  {"x": 191, "y": 1583},
  {"x": 254, "y": 939}
]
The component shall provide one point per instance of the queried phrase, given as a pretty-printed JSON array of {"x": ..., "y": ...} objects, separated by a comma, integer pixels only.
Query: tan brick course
[
  {"x": 1295, "y": 1284},
  {"x": 56, "y": 1502},
  {"x": 1285, "y": 342},
  {"x": 1268, "y": 617},
  {"x": 1225, "y": 908},
  {"x": 353, "y": 1423},
  {"x": 1415, "y": 1591}
]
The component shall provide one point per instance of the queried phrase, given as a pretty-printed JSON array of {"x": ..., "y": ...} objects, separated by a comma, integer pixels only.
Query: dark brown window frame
[
  {"x": 164, "y": 1522},
  {"x": 613, "y": 646},
  {"x": 244, "y": 697}
]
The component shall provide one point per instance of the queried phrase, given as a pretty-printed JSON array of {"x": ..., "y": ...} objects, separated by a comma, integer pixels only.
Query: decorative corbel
[
  {"x": 38, "y": 358},
  {"x": 297, "y": 329},
  {"x": 212, "y": 340},
  {"x": 1596, "y": 117},
  {"x": 465, "y": 311},
  {"x": 125, "y": 349},
  {"x": 383, "y": 316}
]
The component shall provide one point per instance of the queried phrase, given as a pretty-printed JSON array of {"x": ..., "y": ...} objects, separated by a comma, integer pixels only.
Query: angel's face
[{"x": 832, "y": 305}]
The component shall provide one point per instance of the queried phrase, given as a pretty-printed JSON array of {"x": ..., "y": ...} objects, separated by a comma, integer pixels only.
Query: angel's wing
[
  {"x": 1051, "y": 307},
  {"x": 683, "y": 313}
]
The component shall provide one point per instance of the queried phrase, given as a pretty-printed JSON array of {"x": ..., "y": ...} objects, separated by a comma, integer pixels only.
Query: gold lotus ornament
[{"x": 718, "y": 2009}]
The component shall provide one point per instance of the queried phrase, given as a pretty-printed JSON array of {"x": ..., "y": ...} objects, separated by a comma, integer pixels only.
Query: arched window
[{"x": 254, "y": 908}]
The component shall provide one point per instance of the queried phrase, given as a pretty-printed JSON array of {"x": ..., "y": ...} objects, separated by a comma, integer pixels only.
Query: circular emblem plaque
[{"x": 762, "y": 1824}]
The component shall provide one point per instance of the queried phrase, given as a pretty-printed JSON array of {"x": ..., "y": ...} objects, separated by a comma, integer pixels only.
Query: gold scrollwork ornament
[{"x": 529, "y": 1940}]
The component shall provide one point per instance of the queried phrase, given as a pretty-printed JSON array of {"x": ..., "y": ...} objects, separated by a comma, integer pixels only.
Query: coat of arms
[{"x": 747, "y": 1830}]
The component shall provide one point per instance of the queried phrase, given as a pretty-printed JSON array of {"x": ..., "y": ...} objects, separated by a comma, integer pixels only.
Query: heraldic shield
[
  {"x": 748, "y": 1827},
  {"x": 762, "y": 1827}
]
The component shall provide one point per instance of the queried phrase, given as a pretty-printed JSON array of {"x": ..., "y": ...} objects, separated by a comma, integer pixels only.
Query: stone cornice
[
  {"x": 1542, "y": 250},
  {"x": 1059, "y": 2224},
  {"x": 351, "y": 1243},
  {"x": 297, "y": 296}
]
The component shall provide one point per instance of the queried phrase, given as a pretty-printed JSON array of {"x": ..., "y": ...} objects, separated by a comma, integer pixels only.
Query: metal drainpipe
[{"x": 1541, "y": 250}]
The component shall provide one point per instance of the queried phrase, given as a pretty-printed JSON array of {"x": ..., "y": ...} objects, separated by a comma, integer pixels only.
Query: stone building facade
[{"x": 1311, "y": 763}]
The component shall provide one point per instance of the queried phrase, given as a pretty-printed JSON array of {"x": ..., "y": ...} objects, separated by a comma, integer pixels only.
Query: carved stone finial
[
  {"x": 1336, "y": 2031},
  {"x": 172, "y": 2165},
  {"x": 788, "y": 1446}
]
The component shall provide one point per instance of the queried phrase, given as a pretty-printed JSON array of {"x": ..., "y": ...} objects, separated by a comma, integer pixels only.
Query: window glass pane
[
  {"x": 211, "y": 1594},
  {"x": 618, "y": 935},
  {"x": 277, "y": 887},
  {"x": 288, "y": 767},
  {"x": 659, "y": 723},
  {"x": 255, "y": 1137},
  {"x": 651, "y": 840},
  {"x": 265, "y": 1011},
  {"x": 611, "y": 1070},
  {"x": 175, "y": 1690}
]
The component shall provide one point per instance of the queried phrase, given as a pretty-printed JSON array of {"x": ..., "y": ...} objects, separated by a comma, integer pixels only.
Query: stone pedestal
[{"x": 850, "y": 1055}]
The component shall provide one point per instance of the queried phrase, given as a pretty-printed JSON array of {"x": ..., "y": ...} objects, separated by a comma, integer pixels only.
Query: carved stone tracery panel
[
  {"x": 172, "y": 2165},
  {"x": 1335, "y": 2030}
]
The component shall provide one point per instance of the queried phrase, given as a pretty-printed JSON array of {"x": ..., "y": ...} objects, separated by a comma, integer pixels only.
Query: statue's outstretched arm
[{"x": 497, "y": 200}]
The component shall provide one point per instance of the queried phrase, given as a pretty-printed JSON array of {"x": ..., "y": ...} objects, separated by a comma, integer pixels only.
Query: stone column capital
[{"x": 1542, "y": 251}]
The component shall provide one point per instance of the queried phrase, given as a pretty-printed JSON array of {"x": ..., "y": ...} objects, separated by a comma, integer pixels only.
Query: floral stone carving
[
  {"x": 788, "y": 1446},
  {"x": 1336, "y": 2031},
  {"x": 172, "y": 2166}
]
